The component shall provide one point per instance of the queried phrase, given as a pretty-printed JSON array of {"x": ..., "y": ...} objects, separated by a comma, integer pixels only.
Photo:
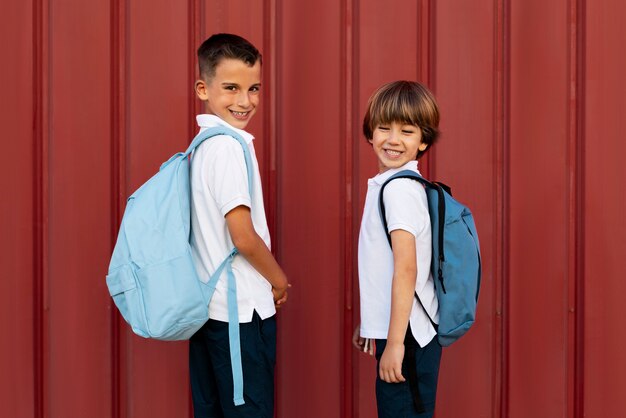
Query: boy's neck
[{"x": 205, "y": 120}]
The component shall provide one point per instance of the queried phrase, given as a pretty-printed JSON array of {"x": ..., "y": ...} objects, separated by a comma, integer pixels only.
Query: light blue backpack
[
  {"x": 152, "y": 277},
  {"x": 455, "y": 265}
]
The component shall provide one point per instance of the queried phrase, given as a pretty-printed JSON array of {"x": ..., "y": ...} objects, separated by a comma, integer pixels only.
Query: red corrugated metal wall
[{"x": 97, "y": 94}]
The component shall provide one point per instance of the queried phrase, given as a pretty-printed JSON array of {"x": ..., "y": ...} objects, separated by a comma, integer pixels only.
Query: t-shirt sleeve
[
  {"x": 226, "y": 175},
  {"x": 406, "y": 206}
]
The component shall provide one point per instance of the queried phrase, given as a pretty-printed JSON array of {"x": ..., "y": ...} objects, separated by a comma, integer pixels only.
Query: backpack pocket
[
  {"x": 172, "y": 298},
  {"x": 122, "y": 284}
]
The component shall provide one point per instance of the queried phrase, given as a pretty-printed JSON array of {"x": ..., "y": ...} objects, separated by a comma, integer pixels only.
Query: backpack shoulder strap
[
  {"x": 405, "y": 174},
  {"x": 223, "y": 130},
  {"x": 209, "y": 288}
]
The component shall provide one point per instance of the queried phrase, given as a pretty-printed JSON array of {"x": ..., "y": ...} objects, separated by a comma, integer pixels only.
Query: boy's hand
[
  {"x": 390, "y": 369},
  {"x": 365, "y": 345},
  {"x": 280, "y": 296}
]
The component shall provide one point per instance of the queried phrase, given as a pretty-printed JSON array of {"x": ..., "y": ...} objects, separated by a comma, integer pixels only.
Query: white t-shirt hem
[
  {"x": 232, "y": 204},
  {"x": 245, "y": 316},
  {"x": 423, "y": 339},
  {"x": 403, "y": 227},
  {"x": 376, "y": 334}
]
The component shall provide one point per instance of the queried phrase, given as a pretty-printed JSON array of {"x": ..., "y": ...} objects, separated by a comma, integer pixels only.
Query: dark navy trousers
[
  {"x": 396, "y": 400},
  {"x": 211, "y": 374}
]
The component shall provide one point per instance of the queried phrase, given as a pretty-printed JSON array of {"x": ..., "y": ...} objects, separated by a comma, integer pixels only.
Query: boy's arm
[
  {"x": 402, "y": 290},
  {"x": 253, "y": 248}
]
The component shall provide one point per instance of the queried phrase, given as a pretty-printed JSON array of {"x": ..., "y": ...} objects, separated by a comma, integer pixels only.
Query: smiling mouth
[
  {"x": 240, "y": 115},
  {"x": 393, "y": 153}
]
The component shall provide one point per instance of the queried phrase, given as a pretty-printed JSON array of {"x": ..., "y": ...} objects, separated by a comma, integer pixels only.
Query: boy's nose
[
  {"x": 393, "y": 137},
  {"x": 243, "y": 100}
]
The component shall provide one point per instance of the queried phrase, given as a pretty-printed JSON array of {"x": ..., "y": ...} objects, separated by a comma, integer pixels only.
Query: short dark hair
[
  {"x": 225, "y": 45},
  {"x": 406, "y": 102}
]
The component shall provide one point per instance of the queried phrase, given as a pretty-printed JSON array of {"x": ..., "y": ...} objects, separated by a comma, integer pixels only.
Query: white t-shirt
[
  {"x": 407, "y": 209},
  {"x": 219, "y": 183}
]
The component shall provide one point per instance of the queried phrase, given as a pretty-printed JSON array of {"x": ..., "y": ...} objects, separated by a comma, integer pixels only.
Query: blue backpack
[
  {"x": 455, "y": 265},
  {"x": 152, "y": 277}
]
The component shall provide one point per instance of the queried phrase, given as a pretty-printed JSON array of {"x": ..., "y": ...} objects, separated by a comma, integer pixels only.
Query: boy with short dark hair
[
  {"x": 401, "y": 123},
  {"x": 224, "y": 214}
]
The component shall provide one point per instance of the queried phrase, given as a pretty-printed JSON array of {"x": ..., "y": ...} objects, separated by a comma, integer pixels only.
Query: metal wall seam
[
  {"x": 271, "y": 136},
  {"x": 271, "y": 55},
  {"x": 427, "y": 67},
  {"x": 501, "y": 102},
  {"x": 571, "y": 196},
  {"x": 431, "y": 65},
  {"x": 195, "y": 27},
  {"x": 118, "y": 171},
  {"x": 347, "y": 192},
  {"x": 119, "y": 113},
  {"x": 424, "y": 43},
  {"x": 577, "y": 202},
  {"x": 575, "y": 288},
  {"x": 41, "y": 137}
]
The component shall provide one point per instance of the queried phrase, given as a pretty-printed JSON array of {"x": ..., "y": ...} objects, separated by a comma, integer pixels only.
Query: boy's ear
[
  {"x": 423, "y": 147},
  {"x": 200, "y": 88}
]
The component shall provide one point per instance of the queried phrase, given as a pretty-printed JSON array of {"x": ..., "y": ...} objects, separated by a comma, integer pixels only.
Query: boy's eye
[
  {"x": 230, "y": 88},
  {"x": 255, "y": 88},
  {"x": 383, "y": 128},
  {"x": 408, "y": 132}
]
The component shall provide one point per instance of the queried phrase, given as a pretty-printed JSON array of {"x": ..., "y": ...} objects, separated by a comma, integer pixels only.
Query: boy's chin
[{"x": 238, "y": 123}]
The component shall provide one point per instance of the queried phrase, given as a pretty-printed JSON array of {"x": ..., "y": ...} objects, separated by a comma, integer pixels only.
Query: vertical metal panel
[
  {"x": 119, "y": 108},
  {"x": 349, "y": 131},
  {"x": 253, "y": 22},
  {"x": 604, "y": 225},
  {"x": 41, "y": 139},
  {"x": 17, "y": 252},
  {"x": 310, "y": 190},
  {"x": 388, "y": 40},
  {"x": 245, "y": 19},
  {"x": 501, "y": 126},
  {"x": 575, "y": 194},
  {"x": 77, "y": 321},
  {"x": 464, "y": 159},
  {"x": 538, "y": 283},
  {"x": 268, "y": 168},
  {"x": 156, "y": 373}
]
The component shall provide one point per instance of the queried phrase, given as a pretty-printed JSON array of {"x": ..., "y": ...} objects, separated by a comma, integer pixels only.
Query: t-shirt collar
[
  {"x": 211, "y": 121},
  {"x": 380, "y": 178}
]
